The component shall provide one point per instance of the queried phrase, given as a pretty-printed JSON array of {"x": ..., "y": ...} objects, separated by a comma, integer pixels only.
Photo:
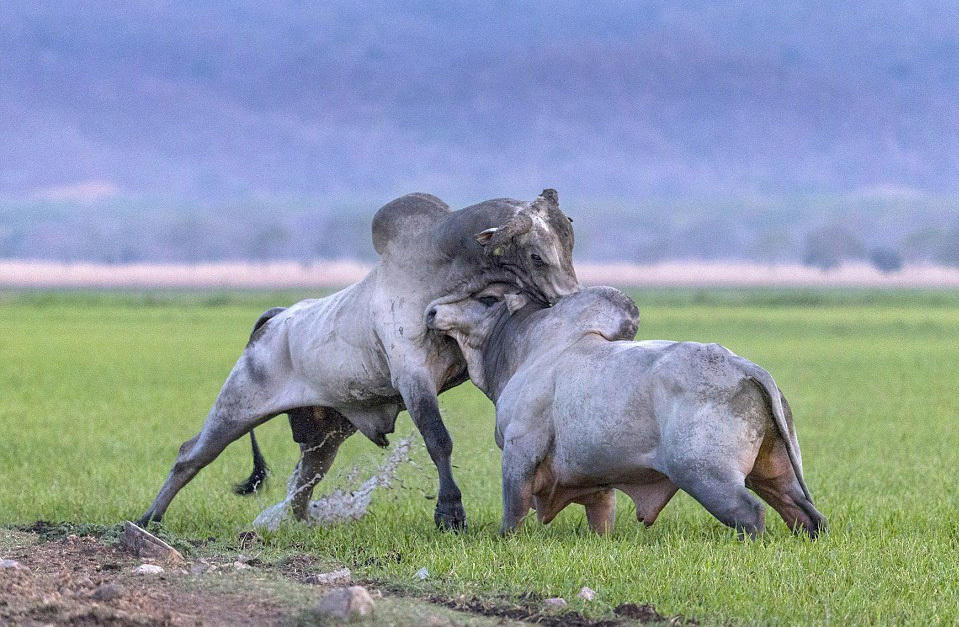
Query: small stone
[
  {"x": 422, "y": 574},
  {"x": 72, "y": 538},
  {"x": 11, "y": 565},
  {"x": 555, "y": 603},
  {"x": 586, "y": 594},
  {"x": 346, "y": 603},
  {"x": 341, "y": 577},
  {"x": 106, "y": 592},
  {"x": 148, "y": 569},
  {"x": 240, "y": 565},
  {"x": 199, "y": 567}
]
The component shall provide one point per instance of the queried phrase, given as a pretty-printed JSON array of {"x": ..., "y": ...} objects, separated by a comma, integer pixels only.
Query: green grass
[{"x": 99, "y": 389}]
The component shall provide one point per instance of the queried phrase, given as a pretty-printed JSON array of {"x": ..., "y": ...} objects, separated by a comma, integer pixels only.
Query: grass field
[{"x": 98, "y": 390}]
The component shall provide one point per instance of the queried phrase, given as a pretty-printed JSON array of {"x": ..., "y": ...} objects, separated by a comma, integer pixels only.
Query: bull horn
[
  {"x": 483, "y": 237},
  {"x": 548, "y": 200}
]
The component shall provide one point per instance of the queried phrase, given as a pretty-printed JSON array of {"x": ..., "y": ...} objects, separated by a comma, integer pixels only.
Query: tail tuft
[{"x": 260, "y": 471}]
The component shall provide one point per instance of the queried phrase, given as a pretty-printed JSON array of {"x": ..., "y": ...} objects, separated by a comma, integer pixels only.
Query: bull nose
[{"x": 431, "y": 316}]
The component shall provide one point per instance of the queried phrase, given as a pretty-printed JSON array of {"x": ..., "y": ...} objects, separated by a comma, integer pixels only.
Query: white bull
[
  {"x": 353, "y": 360},
  {"x": 581, "y": 410}
]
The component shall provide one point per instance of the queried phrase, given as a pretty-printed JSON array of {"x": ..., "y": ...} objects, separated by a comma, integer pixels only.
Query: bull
[
  {"x": 581, "y": 410},
  {"x": 353, "y": 360}
]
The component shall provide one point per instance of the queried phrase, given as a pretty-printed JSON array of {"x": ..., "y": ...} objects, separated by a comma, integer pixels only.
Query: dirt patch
[
  {"x": 79, "y": 580},
  {"x": 529, "y": 608},
  {"x": 647, "y": 614},
  {"x": 86, "y": 578},
  {"x": 525, "y": 613}
]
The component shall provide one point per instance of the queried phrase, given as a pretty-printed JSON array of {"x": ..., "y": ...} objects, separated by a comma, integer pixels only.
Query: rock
[
  {"x": 346, "y": 603},
  {"x": 11, "y": 565},
  {"x": 422, "y": 574},
  {"x": 555, "y": 603},
  {"x": 240, "y": 565},
  {"x": 106, "y": 592},
  {"x": 145, "y": 545},
  {"x": 148, "y": 569},
  {"x": 341, "y": 577},
  {"x": 586, "y": 594}
]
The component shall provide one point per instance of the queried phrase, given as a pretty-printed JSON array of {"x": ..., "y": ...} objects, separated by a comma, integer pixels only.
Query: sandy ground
[{"x": 328, "y": 274}]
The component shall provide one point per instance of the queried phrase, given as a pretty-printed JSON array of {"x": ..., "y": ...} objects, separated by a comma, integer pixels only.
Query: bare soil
[
  {"x": 81, "y": 581},
  {"x": 76, "y": 579}
]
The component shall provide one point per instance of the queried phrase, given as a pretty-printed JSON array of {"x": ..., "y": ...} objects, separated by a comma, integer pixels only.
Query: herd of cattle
[{"x": 489, "y": 293}]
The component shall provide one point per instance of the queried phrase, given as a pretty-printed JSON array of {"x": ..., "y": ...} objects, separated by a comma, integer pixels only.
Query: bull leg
[
  {"x": 194, "y": 455},
  {"x": 420, "y": 398},
  {"x": 242, "y": 404},
  {"x": 330, "y": 429},
  {"x": 774, "y": 479},
  {"x": 519, "y": 475},
  {"x": 723, "y": 493},
  {"x": 600, "y": 511},
  {"x": 787, "y": 498}
]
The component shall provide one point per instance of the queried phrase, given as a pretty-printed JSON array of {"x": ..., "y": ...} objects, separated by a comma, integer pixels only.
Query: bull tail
[
  {"x": 259, "y": 474},
  {"x": 263, "y": 319},
  {"x": 774, "y": 397},
  {"x": 260, "y": 469}
]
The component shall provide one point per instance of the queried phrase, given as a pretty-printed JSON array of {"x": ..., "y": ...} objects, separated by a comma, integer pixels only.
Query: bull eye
[
  {"x": 488, "y": 301},
  {"x": 537, "y": 259}
]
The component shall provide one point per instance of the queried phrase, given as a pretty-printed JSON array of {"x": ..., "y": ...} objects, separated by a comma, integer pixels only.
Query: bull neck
[{"x": 505, "y": 349}]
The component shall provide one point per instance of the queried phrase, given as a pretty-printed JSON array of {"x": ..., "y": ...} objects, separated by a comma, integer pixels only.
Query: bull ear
[
  {"x": 515, "y": 302},
  {"x": 501, "y": 236},
  {"x": 483, "y": 237}
]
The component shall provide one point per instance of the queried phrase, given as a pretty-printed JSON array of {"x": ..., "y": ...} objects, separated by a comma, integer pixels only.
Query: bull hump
[{"x": 405, "y": 218}]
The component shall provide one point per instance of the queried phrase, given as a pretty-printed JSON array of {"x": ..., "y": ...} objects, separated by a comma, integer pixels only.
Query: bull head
[{"x": 535, "y": 246}]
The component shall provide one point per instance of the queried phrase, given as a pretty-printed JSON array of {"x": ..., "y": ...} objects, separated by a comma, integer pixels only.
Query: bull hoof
[
  {"x": 146, "y": 520},
  {"x": 452, "y": 518}
]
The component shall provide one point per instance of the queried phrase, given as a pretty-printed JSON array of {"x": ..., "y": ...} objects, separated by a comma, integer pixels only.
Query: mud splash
[{"x": 341, "y": 505}]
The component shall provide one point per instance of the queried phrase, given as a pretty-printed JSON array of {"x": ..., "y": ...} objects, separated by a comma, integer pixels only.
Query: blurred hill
[{"x": 217, "y": 130}]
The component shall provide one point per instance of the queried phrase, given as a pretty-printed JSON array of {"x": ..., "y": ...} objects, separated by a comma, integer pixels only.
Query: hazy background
[{"x": 204, "y": 131}]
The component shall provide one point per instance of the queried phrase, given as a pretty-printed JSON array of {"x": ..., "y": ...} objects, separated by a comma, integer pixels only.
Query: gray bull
[
  {"x": 355, "y": 359},
  {"x": 580, "y": 410}
]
